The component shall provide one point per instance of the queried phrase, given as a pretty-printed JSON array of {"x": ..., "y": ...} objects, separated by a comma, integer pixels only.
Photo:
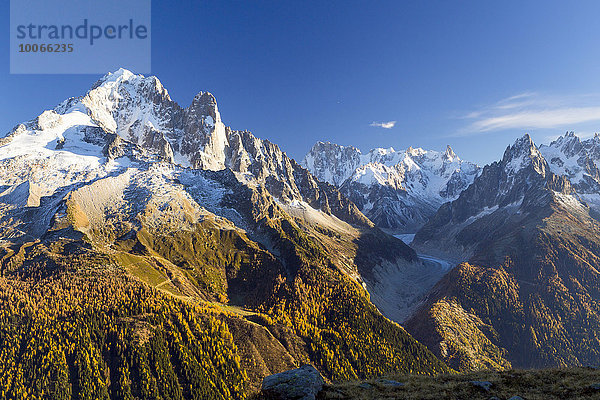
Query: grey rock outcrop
[
  {"x": 26, "y": 194},
  {"x": 303, "y": 383}
]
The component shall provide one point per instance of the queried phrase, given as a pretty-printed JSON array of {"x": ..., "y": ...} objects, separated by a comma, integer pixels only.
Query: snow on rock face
[
  {"x": 129, "y": 122},
  {"x": 52, "y": 152},
  {"x": 507, "y": 181},
  {"x": 578, "y": 160},
  {"x": 500, "y": 199},
  {"x": 521, "y": 154},
  {"x": 125, "y": 104},
  {"x": 396, "y": 189},
  {"x": 332, "y": 163},
  {"x": 136, "y": 108},
  {"x": 139, "y": 109},
  {"x": 140, "y": 112}
]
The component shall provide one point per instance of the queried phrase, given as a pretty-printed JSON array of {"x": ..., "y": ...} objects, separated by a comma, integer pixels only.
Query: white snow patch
[{"x": 570, "y": 201}]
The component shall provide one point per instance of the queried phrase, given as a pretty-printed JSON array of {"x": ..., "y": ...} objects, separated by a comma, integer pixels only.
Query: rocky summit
[{"x": 397, "y": 190}]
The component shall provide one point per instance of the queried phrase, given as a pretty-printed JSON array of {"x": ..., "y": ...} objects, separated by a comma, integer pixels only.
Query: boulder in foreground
[{"x": 298, "y": 384}]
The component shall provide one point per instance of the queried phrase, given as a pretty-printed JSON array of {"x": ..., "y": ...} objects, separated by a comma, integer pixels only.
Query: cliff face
[{"x": 527, "y": 294}]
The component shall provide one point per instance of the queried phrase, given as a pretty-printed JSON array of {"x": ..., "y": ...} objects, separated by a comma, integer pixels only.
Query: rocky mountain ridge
[
  {"x": 397, "y": 190},
  {"x": 526, "y": 290},
  {"x": 505, "y": 191},
  {"x": 579, "y": 161}
]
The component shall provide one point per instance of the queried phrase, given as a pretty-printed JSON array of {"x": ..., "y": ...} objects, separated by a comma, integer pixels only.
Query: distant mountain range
[
  {"x": 397, "y": 190},
  {"x": 577, "y": 160}
]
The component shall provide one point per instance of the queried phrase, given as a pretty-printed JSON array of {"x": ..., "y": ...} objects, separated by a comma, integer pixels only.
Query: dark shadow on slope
[{"x": 375, "y": 246}]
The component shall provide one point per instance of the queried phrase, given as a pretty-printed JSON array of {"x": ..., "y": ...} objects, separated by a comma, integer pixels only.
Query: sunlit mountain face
[
  {"x": 148, "y": 250},
  {"x": 526, "y": 294}
]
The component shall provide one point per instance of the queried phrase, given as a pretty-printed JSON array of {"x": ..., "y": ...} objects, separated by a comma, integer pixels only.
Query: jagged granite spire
[
  {"x": 449, "y": 154},
  {"x": 398, "y": 190}
]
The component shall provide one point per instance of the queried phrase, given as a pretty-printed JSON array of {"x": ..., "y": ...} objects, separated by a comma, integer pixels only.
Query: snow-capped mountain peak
[
  {"x": 579, "y": 161},
  {"x": 127, "y": 104},
  {"x": 396, "y": 189},
  {"x": 332, "y": 163},
  {"x": 127, "y": 121},
  {"x": 449, "y": 154},
  {"x": 140, "y": 110},
  {"x": 521, "y": 148},
  {"x": 521, "y": 154}
]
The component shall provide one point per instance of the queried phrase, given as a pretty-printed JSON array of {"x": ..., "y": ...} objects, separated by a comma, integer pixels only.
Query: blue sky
[{"x": 472, "y": 74}]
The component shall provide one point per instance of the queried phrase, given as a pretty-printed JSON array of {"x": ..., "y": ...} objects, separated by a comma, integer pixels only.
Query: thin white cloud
[
  {"x": 533, "y": 111},
  {"x": 532, "y": 119},
  {"x": 385, "y": 125}
]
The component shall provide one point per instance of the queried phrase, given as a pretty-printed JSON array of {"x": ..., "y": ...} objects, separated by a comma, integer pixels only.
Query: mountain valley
[{"x": 148, "y": 250}]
